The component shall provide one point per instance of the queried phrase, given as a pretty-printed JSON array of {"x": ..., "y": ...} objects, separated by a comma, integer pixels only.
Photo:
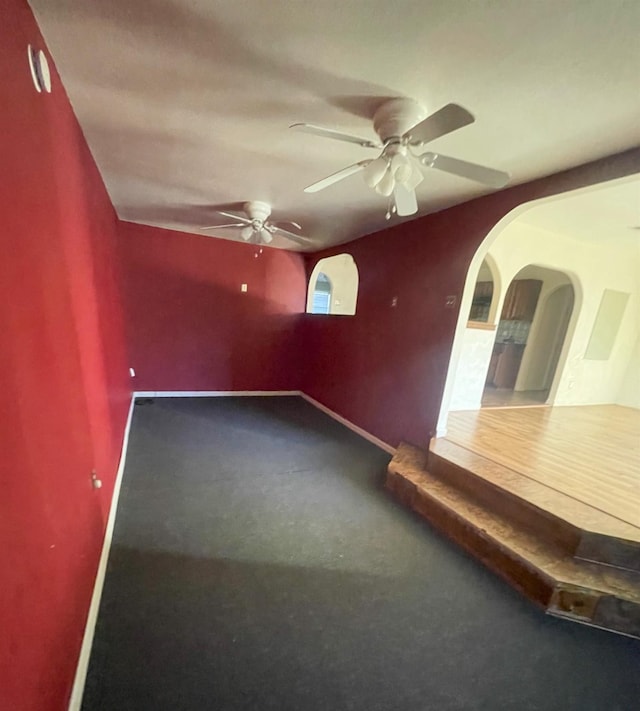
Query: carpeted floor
[{"x": 259, "y": 564}]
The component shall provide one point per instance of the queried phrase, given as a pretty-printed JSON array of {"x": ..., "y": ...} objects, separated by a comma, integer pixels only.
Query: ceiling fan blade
[
  {"x": 336, "y": 177},
  {"x": 464, "y": 169},
  {"x": 234, "y": 217},
  {"x": 300, "y": 239},
  {"x": 221, "y": 227},
  {"x": 337, "y": 135},
  {"x": 449, "y": 118},
  {"x": 287, "y": 222},
  {"x": 406, "y": 202}
]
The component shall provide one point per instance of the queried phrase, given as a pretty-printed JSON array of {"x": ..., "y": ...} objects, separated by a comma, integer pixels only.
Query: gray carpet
[{"x": 259, "y": 564}]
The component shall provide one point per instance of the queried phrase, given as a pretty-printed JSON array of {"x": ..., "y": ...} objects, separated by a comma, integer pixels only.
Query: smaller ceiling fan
[
  {"x": 403, "y": 127},
  {"x": 256, "y": 226}
]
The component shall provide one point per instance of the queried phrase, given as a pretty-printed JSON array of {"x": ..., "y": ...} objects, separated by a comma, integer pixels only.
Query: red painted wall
[
  {"x": 189, "y": 325},
  {"x": 385, "y": 368},
  {"x": 63, "y": 376}
]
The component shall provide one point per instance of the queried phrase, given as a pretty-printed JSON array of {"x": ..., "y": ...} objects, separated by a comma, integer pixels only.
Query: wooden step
[
  {"x": 583, "y": 592},
  {"x": 581, "y": 530}
]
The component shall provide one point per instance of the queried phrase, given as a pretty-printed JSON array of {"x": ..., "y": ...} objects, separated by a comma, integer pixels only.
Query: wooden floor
[{"x": 590, "y": 453}]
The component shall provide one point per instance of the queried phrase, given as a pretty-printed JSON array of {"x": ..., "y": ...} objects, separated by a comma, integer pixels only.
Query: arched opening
[
  {"x": 546, "y": 340},
  {"x": 529, "y": 338},
  {"x": 333, "y": 286},
  {"x": 584, "y": 235},
  {"x": 321, "y": 303},
  {"x": 482, "y": 295}
]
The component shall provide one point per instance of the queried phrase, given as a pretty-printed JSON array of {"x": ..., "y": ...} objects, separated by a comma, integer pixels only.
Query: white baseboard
[
  {"x": 354, "y": 428},
  {"x": 213, "y": 393},
  {"x": 268, "y": 393},
  {"x": 87, "y": 641}
]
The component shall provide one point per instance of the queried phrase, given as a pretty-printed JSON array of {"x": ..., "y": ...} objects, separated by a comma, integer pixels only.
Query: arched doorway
[
  {"x": 537, "y": 373},
  {"x": 576, "y": 234},
  {"x": 529, "y": 338}
]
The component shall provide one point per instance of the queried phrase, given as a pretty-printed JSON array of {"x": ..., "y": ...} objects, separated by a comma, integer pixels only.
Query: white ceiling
[
  {"x": 186, "y": 103},
  {"x": 607, "y": 212}
]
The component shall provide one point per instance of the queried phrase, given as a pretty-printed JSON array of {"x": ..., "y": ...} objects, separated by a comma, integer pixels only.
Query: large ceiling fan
[
  {"x": 256, "y": 227},
  {"x": 403, "y": 128}
]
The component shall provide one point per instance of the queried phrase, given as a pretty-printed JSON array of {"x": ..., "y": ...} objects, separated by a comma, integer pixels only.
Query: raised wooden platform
[
  {"x": 573, "y": 559},
  {"x": 591, "y": 454}
]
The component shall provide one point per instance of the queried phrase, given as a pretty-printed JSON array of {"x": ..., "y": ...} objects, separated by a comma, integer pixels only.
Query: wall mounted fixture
[{"x": 39, "y": 67}]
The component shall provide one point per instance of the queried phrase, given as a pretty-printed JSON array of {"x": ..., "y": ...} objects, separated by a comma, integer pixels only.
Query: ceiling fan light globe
[
  {"x": 399, "y": 161},
  {"x": 403, "y": 173},
  {"x": 246, "y": 233},
  {"x": 386, "y": 185},
  {"x": 375, "y": 171},
  {"x": 414, "y": 179},
  {"x": 265, "y": 235}
]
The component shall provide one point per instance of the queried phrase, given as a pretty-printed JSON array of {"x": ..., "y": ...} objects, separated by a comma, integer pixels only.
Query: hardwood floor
[{"x": 590, "y": 453}]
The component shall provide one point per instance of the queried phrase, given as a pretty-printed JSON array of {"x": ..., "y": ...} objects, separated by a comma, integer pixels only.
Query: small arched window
[
  {"x": 321, "y": 295},
  {"x": 333, "y": 287},
  {"x": 482, "y": 295}
]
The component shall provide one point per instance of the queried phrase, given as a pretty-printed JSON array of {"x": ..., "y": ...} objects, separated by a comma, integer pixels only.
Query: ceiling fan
[
  {"x": 403, "y": 128},
  {"x": 256, "y": 226}
]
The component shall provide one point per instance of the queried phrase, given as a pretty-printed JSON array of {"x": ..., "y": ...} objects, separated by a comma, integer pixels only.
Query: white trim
[
  {"x": 268, "y": 393},
  {"x": 354, "y": 428},
  {"x": 213, "y": 393},
  {"x": 87, "y": 641}
]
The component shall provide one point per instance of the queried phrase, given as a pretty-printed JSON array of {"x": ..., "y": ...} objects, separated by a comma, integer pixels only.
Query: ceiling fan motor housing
[
  {"x": 257, "y": 211},
  {"x": 395, "y": 117}
]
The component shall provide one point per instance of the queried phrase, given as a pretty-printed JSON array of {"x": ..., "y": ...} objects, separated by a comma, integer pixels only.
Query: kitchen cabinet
[
  {"x": 481, "y": 301},
  {"x": 508, "y": 365},
  {"x": 505, "y": 364},
  {"x": 521, "y": 300}
]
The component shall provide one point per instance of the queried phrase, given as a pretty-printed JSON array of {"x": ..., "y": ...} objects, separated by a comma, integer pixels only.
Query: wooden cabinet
[
  {"x": 483, "y": 290},
  {"x": 521, "y": 300},
  {"x": 481, "y": 301},
  {"x": 508, "y": 365},
  {"x": 493, "y": 363},
  {"x": 505, "y": 364}
]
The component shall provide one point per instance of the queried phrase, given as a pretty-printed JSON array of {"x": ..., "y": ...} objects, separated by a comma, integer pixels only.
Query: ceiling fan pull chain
[{"x": 391, "y": 207}]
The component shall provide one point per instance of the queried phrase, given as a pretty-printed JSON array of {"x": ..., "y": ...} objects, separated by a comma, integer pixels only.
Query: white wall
[
  {"x": 343, "y": 275},
  {"x": 477, "y": 345},
  {"x": 629, "y": 394}
]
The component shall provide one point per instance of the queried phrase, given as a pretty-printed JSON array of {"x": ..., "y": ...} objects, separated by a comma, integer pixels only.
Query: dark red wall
[
  {"x": 385, "y": 368},
  {"x": 63, "y": 376},
  {"x": 189, "y": 325}
]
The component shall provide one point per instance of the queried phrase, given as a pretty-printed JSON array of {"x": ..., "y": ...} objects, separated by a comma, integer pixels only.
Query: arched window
[
  {"x": 333, "y": 287},
  {"x": 321, "y": 295},
  {"x": 482, "y": 295}
]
